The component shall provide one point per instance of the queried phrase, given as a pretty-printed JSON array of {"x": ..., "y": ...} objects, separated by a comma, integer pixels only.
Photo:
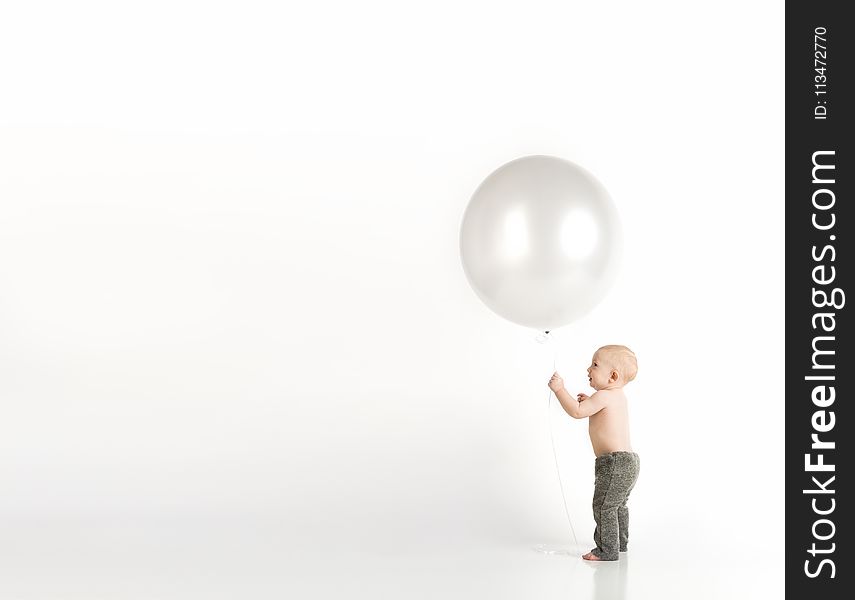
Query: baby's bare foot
[{"x": 591, "y": 556}]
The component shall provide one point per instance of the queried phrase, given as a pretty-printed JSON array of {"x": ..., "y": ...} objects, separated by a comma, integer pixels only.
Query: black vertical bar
[{"x": 819, "y": 367}]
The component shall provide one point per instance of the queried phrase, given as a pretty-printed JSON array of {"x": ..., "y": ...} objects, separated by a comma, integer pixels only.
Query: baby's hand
[
  {"x": 582, "y": 397},
  {"x": 556, "y": 384}
]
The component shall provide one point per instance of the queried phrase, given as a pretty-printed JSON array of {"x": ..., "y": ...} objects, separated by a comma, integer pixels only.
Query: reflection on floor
[{"x": 158, "y": 558}]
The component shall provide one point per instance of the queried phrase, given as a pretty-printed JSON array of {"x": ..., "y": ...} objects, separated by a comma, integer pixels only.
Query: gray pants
[{"x": 615, "y": 475}]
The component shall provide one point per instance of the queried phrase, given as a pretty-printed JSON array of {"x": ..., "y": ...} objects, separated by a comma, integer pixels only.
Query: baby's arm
[
  {"x": 577, "y": 409},
  {"x": 581, "y": 409}
]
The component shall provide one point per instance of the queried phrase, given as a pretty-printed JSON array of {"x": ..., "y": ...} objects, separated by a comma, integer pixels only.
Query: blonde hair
[{"x": 622, "y": 359}]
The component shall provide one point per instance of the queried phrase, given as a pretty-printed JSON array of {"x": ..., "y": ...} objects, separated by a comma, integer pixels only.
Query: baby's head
[{"x": 612, "y": 367}]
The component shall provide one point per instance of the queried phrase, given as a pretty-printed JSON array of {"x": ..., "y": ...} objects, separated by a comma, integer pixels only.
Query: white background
[{"x": 239, "y": 356}]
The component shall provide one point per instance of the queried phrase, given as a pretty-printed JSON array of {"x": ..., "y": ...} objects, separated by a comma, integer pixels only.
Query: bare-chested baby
[{"x": 616, "y": 466}]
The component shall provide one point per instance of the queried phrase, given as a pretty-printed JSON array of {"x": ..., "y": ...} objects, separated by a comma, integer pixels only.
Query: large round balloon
[{"x": 540, "y": 241}]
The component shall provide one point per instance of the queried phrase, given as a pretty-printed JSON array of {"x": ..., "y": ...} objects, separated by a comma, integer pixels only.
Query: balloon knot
[{"x": 543, "y": 338}]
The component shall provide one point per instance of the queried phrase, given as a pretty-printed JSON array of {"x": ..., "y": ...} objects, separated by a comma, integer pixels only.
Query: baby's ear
[{"x": 614, "y": 376}]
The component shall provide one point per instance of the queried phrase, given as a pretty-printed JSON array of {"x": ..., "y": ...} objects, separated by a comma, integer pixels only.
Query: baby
[{"x": 616, "y": 466}]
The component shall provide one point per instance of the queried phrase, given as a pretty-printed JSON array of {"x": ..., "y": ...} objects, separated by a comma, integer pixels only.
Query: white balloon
[{"x": 540, "y": 241}]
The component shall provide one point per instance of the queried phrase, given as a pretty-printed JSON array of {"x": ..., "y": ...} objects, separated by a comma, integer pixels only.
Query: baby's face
[{"x": 599, "y": 372}]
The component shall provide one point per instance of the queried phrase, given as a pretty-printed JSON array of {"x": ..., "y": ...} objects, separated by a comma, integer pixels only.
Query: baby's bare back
[{"x": 609, "y": 427}]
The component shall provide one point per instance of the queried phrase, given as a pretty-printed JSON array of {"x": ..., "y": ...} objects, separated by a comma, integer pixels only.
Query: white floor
[{"x": 160, "y": 558}]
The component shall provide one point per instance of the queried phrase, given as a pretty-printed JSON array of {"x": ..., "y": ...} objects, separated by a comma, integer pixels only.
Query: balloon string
[{"x": 548, "y": 337}]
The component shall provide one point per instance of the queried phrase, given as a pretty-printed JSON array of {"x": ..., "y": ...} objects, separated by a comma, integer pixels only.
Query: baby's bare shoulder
[{"x": 615, "y": 395}]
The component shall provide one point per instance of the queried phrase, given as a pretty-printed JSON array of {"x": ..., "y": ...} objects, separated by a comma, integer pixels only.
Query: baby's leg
[
  {"x": 607, "y": 500},
  {"x": 606, "y": 533},
  {"x": 623, "y": 525},
  {"x": 623, "y": 511}
]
